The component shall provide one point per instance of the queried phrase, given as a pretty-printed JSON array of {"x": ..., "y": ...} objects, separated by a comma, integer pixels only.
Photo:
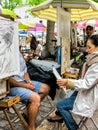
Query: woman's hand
[{"x": 62, "y": 82}]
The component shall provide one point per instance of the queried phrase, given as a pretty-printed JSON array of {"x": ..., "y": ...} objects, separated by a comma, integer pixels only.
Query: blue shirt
[{"x": 23, "y": 69}]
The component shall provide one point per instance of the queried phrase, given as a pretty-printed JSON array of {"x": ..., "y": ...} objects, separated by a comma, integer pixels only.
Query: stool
[{"x": 9, "y": 102}]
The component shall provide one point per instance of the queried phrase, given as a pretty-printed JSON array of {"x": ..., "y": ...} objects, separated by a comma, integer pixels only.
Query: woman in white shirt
[{"x": 84, "y": 101}]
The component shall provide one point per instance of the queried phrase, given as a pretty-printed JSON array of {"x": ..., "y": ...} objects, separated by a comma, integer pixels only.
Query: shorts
[{"x": 25, "y": 93}]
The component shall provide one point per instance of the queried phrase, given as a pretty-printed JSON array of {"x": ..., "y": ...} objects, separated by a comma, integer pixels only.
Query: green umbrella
[
  {"x": 8, "y": 13},
  {"x": 23, "y": 26}
]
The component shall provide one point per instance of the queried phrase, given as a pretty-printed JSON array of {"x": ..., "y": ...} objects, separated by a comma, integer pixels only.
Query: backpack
[{"x": 38, "y": 74}]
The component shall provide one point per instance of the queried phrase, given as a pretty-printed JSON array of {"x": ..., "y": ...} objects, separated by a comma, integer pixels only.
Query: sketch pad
[
  {"x": 57, "y": 75},
  {"x": 9, "y": 48}
]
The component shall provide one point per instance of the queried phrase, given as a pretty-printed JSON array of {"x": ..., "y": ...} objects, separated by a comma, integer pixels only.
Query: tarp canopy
[
  {"x": 27, "y": 24},
  {"x": 84, "y": 24},
  {"x": 80, "y": 9},
  {"x": 23, "y": 26},
  {"x": 39, "y": 27},
  {"x": 8, "y": 12}
]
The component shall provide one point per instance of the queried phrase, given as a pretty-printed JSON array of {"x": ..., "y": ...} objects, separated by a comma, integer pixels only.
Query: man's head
[{"x": 89, "y": 30}]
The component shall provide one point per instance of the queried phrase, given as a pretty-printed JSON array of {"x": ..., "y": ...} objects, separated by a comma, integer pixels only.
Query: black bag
[{"x": 38, "y": 74}]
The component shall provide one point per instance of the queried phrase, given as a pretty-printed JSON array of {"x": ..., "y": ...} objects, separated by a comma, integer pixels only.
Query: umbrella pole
[{"x": 61, "y": 3}]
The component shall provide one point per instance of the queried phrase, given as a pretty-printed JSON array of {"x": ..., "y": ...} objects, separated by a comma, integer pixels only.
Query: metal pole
[{"x": 61, "y": 3}]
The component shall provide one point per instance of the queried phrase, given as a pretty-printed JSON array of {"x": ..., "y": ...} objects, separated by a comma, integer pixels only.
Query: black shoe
[
  {"x": 25, "y": 117},
  {"x": 57, "y": 113},
  {"x": 50, "y": 119}
]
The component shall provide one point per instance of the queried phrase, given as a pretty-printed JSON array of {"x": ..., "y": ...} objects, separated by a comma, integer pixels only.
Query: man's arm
[
  {"x": 14, "y": 83},
  {"x": 81, "y": 49},
  {"x": 27, "y": 78}
]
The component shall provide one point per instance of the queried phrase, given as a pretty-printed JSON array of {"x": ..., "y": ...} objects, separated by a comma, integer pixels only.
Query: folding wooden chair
[{"x": 7, "y": 102}]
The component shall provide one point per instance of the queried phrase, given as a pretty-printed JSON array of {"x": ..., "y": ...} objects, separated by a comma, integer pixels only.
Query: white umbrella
[{"x": 86, "y": 10}]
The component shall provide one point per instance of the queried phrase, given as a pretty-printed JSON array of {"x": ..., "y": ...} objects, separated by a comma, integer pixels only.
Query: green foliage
[
  {"x": 96, "y": 1},
  {"x": 11, "y": 4},
  {"x": 34, "y": 2}
]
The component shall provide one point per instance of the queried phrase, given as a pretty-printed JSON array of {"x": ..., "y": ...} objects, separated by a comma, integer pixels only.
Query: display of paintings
[{"x": 9, "y": 48}]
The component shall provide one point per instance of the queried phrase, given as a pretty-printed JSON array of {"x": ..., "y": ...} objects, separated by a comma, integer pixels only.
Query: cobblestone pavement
[
  {"x": 45, "y": 125},
  {"x": 45, "y": 110}
]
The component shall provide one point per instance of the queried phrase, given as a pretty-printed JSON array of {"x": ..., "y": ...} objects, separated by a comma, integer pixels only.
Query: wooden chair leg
[
  {"x": 8, "y": 119},
  {"x": 60, "y": 126},
  {"x": 20, "y": 117}
]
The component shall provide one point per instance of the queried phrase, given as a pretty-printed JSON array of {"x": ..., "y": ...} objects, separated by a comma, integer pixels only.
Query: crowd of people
[{"x": 33, "y": 48}]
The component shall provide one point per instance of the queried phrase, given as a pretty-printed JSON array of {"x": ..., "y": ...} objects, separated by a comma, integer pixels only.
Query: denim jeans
[{"x": 64, "y": 106}]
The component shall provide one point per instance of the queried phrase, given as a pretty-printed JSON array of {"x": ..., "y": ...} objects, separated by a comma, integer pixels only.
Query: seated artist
[{"x": 84, "y": 100}]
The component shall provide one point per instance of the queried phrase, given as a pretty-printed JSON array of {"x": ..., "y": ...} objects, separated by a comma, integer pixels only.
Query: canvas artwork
[{"x": 9, "y": 48}]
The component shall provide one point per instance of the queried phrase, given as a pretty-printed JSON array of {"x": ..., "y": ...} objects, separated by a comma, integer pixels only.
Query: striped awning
[
  {"x": 48, "y": 14},
  {"x": 80, "y": 9},
  {"x": 83, "y": 14}
]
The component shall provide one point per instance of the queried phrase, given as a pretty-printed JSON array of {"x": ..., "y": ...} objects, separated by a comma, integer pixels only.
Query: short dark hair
[
  {"x": 94, "y": 39},
  {"x": 89, "y": 27}
]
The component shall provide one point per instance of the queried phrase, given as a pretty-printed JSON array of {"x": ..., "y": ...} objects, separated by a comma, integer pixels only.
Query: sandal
[
  {"x": 50, "y": 119},
  {"x": 57, "y": 113}
]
